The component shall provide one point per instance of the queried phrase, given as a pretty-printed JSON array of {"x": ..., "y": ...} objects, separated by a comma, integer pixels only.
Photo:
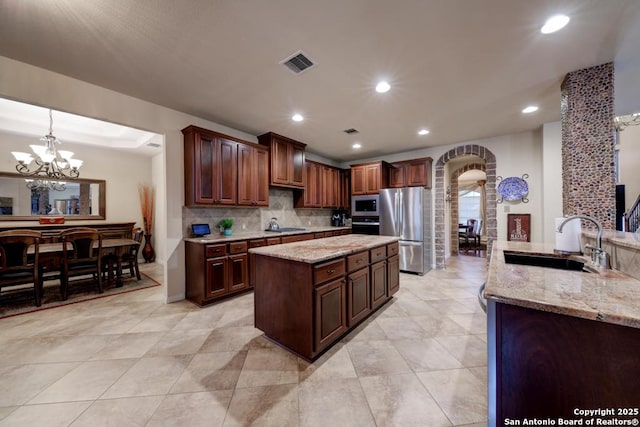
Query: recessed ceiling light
[
  {"x": 530, "y": 109},
  {"x": 357, "y": 145},
  {"x": 555, "y": 23},
  {"x": 423, "y": 132},
  {"x": 383, "y": 87},
  {"x": 297, "y": 118}
]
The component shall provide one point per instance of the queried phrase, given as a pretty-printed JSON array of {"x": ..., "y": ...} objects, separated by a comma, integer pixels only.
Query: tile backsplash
[{"x": 257, "y": 219}]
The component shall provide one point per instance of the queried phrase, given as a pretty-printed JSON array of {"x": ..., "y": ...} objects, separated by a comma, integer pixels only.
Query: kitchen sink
[
  {"x": 562, "y": 262},
  {"x": 285, "y": 229}
]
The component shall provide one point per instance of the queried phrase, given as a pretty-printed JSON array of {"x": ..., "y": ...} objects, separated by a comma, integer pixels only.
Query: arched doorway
[
  {"x": 440, "y": 203},
  {"x": 455, "y": 200}
]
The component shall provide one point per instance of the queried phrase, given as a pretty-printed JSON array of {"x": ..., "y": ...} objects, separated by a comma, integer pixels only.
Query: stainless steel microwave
[{"x": 365, "y": 205}]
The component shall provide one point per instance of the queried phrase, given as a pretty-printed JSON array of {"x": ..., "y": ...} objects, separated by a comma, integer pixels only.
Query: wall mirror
[{"x": 25, "y": 198}]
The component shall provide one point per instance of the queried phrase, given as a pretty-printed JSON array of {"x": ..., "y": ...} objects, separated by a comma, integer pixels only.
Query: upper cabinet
[
  {"x": 322, "y": 187},
  {"x": 411, "y": 173},
  {"x": 369, "y": 178},
  {"x": 212, "y": 162},
  {"x": 253, "y": 175},
  {"x": 287, "y": 160}
]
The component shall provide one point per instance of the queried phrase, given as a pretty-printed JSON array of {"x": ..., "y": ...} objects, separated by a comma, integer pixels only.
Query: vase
[
  {"x": 148, "y": 253},
  {"x": 228, "y": 232}
]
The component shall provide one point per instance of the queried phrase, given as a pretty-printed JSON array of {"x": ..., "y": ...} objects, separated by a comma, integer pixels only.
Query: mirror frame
[{"x": 103, "y": 200}]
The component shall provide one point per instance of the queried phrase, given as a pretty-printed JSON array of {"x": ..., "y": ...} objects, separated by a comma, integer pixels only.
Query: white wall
[
  {"x": 34, "y": 85},
  {"x": 552, "y": 178}
]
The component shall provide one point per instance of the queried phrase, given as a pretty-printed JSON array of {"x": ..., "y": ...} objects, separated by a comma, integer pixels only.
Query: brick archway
[
  {"x": 440, "y": 203},
  {"x": 453, "y": 212}
]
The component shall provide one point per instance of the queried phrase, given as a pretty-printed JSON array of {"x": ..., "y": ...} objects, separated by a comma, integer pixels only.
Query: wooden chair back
[
  {"x": 14, "y": 245},
  {"x": 83, "y": 244}
]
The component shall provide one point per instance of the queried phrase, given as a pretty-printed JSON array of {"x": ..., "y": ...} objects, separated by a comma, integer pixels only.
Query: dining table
[{"x": 50, "y": 253}]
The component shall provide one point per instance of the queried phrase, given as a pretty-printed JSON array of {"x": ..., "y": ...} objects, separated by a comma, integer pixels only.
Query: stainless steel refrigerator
[{"x": 406, "y": 213}]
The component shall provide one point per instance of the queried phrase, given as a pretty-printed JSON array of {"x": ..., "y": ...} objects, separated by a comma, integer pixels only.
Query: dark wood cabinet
[
  {"x": 253, "y": 175},
  {"x": 330, "y": 312},
  {"x": 287, "y": 163},
  {"x": 322, "y": 187},
  {"x": 358, "y": 295},
  {"x": 210, "y": 168},
  {"x": 222, "y": 170},
  {"x": 393, "y": 276},
  {"x": 411, "y": 173},
  {"x": 345, "y": 189},
  {"x": 378, "y": 283},
  {"x": 369, "y": 178},
  {"x": 215, "y": 271}
]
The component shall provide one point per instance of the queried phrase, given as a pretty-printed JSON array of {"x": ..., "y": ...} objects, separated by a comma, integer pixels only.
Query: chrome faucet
[{"x": 599, "y": 257}]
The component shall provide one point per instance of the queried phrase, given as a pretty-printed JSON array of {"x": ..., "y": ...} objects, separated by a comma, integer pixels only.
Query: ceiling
[{"x": 462, "y": 69}]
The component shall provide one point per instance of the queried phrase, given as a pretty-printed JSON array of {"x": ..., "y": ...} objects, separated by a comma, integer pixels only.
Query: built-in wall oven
[{"x": 365, "y": 214}]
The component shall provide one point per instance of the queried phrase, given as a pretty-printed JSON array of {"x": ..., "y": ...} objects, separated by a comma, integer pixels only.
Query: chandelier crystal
[
  {"x": 45, "y": 184},
  {"x": 50, "y": 163}
]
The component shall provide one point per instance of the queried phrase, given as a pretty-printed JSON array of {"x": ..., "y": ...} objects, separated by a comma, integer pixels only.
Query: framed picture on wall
[{"x": 519, "y": 227}]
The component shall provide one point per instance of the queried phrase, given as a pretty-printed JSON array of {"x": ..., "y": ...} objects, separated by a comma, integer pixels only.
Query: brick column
[{"x": 588, "y": 171}]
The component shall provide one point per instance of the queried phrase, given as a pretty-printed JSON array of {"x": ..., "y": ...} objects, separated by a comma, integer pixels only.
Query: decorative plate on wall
[{"x": 513, "y": 188}]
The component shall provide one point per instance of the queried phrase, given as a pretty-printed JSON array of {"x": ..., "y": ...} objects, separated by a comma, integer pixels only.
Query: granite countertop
[
  {"x": 247, "y": 235},
  {"x": 619, "y": 238},
  {"x": 318, "y": 250},
  {"x": 604, "y": 295}
]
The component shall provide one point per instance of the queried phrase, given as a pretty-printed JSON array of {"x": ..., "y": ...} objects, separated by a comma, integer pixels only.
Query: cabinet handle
[
  {"x": 358, "y": 261},
  {"x": 331, "y": 271}
]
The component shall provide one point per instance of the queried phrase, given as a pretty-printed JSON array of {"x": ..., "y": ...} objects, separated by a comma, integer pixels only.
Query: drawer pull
[
  {"x": 331, "y": 271},
  {"x": 358, "y": 261}
]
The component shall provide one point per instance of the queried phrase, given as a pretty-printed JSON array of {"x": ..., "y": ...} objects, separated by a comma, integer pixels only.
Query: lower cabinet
[
  {"x": 215, "y": 271},
  {"x": 330, "y": 312},
  {"x": 378, "y": 283},
  {"x": 393, "y": 275},
  {"x": 358, "y": 296}
]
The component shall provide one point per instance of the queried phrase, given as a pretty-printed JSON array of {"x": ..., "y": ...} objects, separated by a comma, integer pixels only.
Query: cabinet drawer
[
  {"x": 356, "y": 261},
  {"x": 378, "y": 254},
  {"x": 237, "y": 247},
  {"x": 328, "y": 270},
  {"x": 257, "y": 243},
  {"x": 213, "y": 251},
  {"x": 392, "y": 249},
  {"x": 318, "y": 235},
  {"x": 273, "y": 241}
]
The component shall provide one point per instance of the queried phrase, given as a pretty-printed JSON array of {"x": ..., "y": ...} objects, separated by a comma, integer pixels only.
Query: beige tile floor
[{"x": 130, "y": 360}]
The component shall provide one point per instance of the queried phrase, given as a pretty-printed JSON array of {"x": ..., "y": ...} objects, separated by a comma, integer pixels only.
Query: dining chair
[
  {"x": 17, "y": 266},
  {"x": 83, "y": 256},
  {"x": 477, "y": 233},
  {"x": 129, "y": 260},
  {"x": 468, "y": 233}
]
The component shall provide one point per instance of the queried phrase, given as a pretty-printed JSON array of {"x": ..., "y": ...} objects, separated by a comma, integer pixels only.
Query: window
[{"x": 468, "y": 206}]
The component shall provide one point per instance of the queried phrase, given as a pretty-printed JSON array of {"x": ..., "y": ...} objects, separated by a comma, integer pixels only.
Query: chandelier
[
  {"x": 623, "y": 122},
  {"x": 50, "y": 163},
  {"x": 45, "y": 184}
]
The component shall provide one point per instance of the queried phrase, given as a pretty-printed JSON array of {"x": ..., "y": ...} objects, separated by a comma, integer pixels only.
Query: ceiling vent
[
  {"x": 351, "y": 131},
  {"x": 153, "y": 144},
  {"x": 298, "y": 63}
]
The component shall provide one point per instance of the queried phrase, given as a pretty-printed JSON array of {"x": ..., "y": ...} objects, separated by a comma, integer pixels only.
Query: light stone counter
[
  {"x": 313, "y": 251},
  {"x": 606, "y": 295},
  {"x": 247, "y": 235}
]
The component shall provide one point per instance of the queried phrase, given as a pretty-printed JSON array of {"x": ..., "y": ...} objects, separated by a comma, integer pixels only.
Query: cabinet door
[
  {"x": 205, "y": 153},
  {"x": 279, "y": 162},
  {"x": 372, "y": 179},
  {"x": 358, "y": 186},
  {"x": 297, "y": 170},
  {"x": 378, "y": 283},
  {"x": 393, "y": 274},
  {"x": 345, "y": 189},
  {"x": 227, "y": 172},
  {"x": 216, "y": 280},
  {"x": 238, "y": 272},
  {"x": 330, "y": 187},
  {"x": 313, "y": 188},
  {"x": 358, "y": 297},
  {"x": 330, "y": 313},
  {"x": 418, "y": 174},
  {"x": 246, "y": 188},
  {"x": 261, "y": 181},
  {"x": 396, "y": 177}
]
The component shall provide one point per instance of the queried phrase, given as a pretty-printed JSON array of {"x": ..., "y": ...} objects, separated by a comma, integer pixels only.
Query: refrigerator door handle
[
  {"x": 396, "y": 209},
  {"x": 401, "y": 214}
]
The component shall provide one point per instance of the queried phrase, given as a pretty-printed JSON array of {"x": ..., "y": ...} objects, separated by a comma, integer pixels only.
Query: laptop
[{"x": 199, "y": 230}]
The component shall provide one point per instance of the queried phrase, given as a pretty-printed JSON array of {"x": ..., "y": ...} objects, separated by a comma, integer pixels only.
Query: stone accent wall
[
  {"x": 453, "y": 208},
  {"x": 440, "y": 204},
  {"x": 588, "y": 171}
]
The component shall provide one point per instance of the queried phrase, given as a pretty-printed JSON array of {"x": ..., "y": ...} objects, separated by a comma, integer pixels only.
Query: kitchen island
[
  {"x": 309, "y": 294},
  {"x": 560, "y": 341}
]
